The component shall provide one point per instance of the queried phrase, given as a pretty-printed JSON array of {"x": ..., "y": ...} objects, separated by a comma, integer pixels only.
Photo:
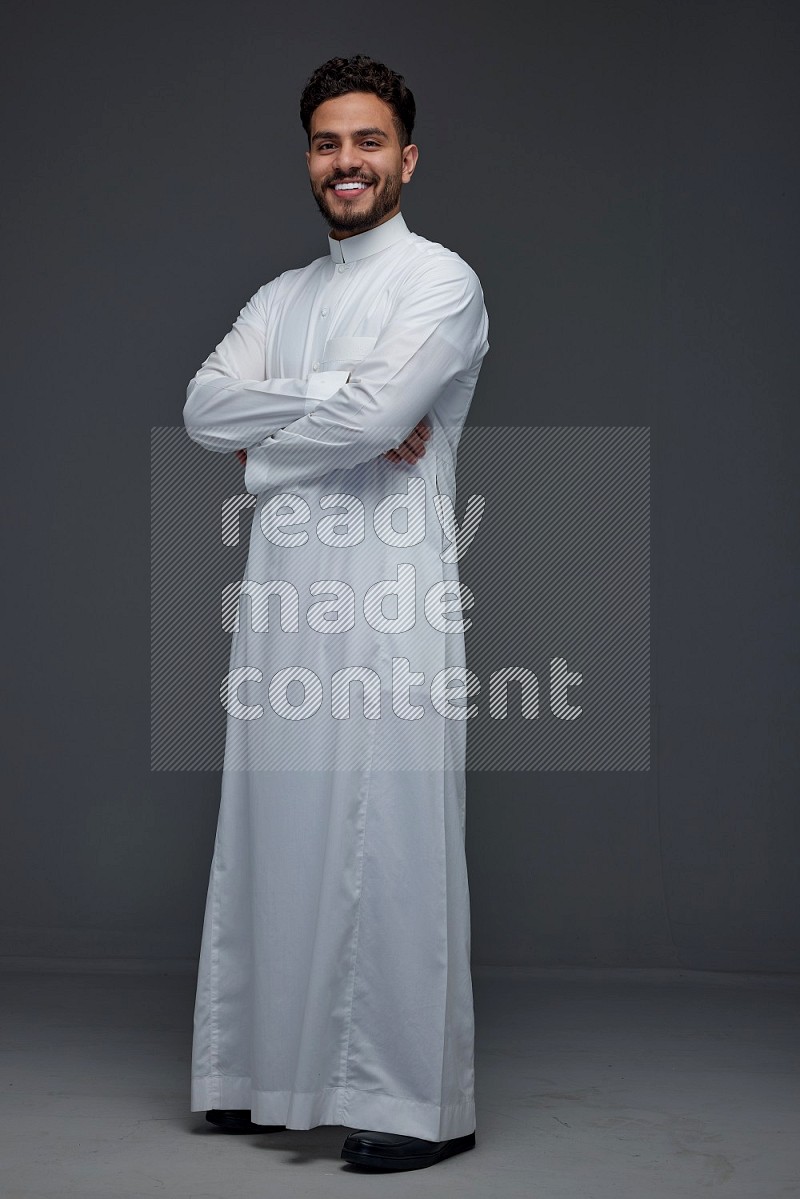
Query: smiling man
[
  {"x": 334, "y": 978},
  {"x": 356, "y": 166}
]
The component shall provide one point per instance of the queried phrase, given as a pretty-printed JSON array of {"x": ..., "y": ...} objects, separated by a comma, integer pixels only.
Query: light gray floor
[{"x": 590, "y": 1085}]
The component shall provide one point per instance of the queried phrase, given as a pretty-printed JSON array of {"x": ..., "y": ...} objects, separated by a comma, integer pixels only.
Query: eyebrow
[{"x": 328, "y": 136}]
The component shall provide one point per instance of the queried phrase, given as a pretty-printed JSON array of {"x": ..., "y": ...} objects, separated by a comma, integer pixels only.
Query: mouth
[{"x": 349, "y": 189}]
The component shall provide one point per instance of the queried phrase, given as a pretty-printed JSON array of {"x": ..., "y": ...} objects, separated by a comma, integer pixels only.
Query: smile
[{"x": 350, "y": 187}]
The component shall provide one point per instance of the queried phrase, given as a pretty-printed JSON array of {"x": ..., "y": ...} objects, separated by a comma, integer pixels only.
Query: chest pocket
[{"x": 341, "y": 353}]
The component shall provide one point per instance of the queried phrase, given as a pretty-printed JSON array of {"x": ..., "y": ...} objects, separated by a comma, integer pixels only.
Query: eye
[{"x": 370, "y": 143}]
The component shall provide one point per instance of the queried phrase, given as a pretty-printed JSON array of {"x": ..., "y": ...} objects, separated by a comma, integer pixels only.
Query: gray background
[{"x": 619, "y": 175}]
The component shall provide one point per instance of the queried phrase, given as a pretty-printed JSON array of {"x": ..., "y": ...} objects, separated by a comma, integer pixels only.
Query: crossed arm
[
  {"x": 409, "y": 450},
  {"x": 437, "y": 330}
]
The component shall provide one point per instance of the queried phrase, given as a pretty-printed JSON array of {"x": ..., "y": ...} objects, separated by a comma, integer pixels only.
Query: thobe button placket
[
  {"x": 341, "y": 267},
  {"x": 324, "y": 312},
  {"x": 315, "y": 366}
]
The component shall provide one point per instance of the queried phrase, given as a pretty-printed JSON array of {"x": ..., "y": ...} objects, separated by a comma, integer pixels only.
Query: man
[{"x": 334, "y": 982}]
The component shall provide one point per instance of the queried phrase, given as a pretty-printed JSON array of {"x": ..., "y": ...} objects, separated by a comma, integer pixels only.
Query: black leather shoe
[
  {"x": 238, "y": 1120},
  {"x": 388, "y": 1151}
]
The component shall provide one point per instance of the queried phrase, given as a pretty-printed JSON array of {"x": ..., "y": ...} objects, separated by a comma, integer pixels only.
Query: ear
[{"x": 410, "y": 156}]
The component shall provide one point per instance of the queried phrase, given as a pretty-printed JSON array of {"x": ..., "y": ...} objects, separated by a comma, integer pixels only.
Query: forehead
[{"x": 355, "y": 110}]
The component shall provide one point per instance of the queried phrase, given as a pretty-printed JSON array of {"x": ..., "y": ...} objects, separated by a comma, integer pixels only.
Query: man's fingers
[
  {"x": 415, "y": 443},
  {"x": 413, "y": 447}
]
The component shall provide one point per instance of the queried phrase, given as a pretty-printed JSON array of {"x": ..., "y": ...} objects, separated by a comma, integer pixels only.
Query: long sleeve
[
  {"x": 436, "y": 332},
  {"x": 231, "y": 405}
]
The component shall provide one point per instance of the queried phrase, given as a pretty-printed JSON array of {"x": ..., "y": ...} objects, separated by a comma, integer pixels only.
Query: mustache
[{"x": 348, "y": 179}]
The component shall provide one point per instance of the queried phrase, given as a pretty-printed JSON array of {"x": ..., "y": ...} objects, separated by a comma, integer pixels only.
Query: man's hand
[
  {"x": 414, "y": 445},
  {"x": 408, "y": 451}
]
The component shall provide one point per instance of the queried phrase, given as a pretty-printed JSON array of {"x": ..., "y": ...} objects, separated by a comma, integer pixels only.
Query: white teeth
[{"x": 349, "y": 186}]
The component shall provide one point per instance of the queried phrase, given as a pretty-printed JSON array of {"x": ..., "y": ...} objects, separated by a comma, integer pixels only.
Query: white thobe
[{"x": 334, "y": 977}]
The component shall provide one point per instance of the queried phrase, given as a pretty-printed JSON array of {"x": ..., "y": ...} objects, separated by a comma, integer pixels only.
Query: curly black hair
[{"x": 360, "y": 73}]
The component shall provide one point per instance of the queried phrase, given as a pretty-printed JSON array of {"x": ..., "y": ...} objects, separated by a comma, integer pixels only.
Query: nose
[{"x": 349, "y": 158}]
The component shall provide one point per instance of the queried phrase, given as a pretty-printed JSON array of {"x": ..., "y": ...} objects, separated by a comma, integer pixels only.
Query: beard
[{"x": 349, "y": 219}]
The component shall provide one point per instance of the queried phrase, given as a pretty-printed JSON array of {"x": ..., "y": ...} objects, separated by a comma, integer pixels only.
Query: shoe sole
[
  {"x": 380, "y": 1161},
  {"x": 241, "y": 1129}
]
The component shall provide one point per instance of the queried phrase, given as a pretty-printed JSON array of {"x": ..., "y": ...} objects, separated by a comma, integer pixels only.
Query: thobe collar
[{"x": 349, "y": 249}]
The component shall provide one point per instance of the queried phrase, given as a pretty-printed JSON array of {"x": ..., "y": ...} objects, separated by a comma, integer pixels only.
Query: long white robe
[{"x": 334, "y": 977}]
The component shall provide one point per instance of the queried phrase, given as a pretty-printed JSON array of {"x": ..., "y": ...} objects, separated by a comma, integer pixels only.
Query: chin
[{"x": 355, "y": 222}]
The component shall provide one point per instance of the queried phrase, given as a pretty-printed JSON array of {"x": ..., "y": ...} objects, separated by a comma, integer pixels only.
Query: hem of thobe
[{"x": 344, "y": 1106}]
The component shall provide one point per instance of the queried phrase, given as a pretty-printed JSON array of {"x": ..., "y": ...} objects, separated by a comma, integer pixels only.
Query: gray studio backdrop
[{"x": 621, "y": 178}]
